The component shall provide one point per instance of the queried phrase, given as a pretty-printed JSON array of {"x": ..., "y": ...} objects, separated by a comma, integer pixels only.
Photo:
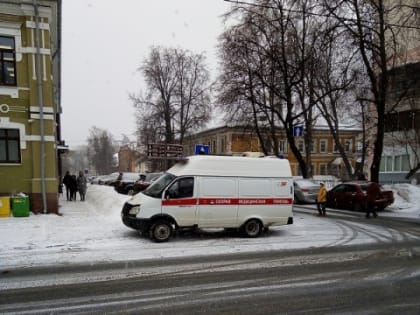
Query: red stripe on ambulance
[{"x": 227, "y": 201}]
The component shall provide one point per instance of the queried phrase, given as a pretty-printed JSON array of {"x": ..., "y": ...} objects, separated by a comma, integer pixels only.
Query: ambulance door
[
  {"x": 218, "y": 202},
  {"x": 180, "y": 201}
]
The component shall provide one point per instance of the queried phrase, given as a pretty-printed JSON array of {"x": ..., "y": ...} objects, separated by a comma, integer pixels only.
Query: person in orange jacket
[{"x": 321, "y": 200}]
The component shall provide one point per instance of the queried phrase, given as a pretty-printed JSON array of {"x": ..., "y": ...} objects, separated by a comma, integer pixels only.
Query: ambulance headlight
[{"x": 135, "y": 210}]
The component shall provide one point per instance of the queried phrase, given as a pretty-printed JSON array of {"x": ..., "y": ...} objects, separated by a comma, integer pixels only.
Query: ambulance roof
[{"x": 211, "y": 165}]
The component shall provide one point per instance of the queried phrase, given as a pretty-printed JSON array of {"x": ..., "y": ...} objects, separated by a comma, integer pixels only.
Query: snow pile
[
  {"x": 92, "y": 231},
  {"x": 407, "y": 200}
]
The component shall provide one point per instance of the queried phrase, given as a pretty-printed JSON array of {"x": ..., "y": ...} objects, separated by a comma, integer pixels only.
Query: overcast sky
[{"x": 105, "y": 41}]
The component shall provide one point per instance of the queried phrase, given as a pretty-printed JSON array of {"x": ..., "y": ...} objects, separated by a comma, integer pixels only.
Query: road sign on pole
[
  {"x": 297, "y": 131},
  {"x": 202, "y": 149},
  {"x": 164, "y": 151}
]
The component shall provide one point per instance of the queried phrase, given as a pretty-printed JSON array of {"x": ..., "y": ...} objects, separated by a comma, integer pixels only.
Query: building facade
[
  {"x": 30, "y": 139},
  {"x": 402, "y": 121},
  {"x": 238, "y": 140}
]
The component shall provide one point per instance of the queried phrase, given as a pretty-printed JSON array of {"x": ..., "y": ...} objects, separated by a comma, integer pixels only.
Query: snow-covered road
[{"x": 92, "y": 231}]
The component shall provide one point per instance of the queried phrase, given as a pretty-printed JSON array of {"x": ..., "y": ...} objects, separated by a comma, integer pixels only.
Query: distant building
[
  {"x": 128, "y": 159},
  {"x": 239, "y": 140},
  {"x": 30, "y": 138}
]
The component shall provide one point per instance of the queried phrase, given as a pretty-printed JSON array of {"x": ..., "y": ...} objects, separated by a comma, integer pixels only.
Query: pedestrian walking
[
  {"x": 321, "y": 199},
  {"x": 372, "y": 194},
  {"x": 67, "y": 183},
  {"x": 73, "y": 187},
  {"x": 82, "y": 185}
]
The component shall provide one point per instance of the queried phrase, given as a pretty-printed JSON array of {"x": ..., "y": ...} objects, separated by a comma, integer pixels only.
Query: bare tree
[
  {"x": 101, "y": 150},
  {"x": 270, "y": 59},
  {"x": 177, "y": 97},
  {"x": 377, "y": 35},
  {"x": 76, "y": 160}
]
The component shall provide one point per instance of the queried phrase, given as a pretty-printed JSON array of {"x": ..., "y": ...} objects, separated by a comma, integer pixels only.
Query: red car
[
  {"x": 145, "y": 181},
  {"x": 352, "y": 195}
]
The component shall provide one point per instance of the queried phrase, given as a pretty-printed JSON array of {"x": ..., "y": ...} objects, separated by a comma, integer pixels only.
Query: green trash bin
[{"x": 20, "y": 206}]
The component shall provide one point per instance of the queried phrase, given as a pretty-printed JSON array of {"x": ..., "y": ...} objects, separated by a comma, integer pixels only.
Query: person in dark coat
[
  {"x": 373, "y": 193},
  {"x": 81, "y": 185},
  {"x": 67, "y": 183},
  {"x": 73, "y": 187}
]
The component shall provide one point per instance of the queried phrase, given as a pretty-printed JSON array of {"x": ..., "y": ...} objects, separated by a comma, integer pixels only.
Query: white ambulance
[{"x": 206, "y": 191}]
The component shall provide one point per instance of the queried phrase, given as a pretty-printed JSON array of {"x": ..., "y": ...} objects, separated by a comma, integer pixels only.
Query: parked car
[
  {"x": 125, "y": 181},
  {"x": 306, "y": 190},
  {"x": 105, "y": 179},
  {"x": 144, "y": 181},
  {"x": 352, "y": 196}
]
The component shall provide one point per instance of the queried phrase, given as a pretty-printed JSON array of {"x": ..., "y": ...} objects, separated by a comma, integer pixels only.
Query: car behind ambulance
[{"x": 204, "y": 191}]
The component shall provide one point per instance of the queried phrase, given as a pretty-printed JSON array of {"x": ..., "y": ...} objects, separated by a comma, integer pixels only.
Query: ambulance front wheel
[
  {"x": 160, "y": 231},
  {"x": 252, "y": 228}
]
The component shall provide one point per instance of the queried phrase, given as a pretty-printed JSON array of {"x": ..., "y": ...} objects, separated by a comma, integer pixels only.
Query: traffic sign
[
  {"x": 202, "y": 149},
  {"x": 297, "y": 131},
  {"x": 164, "y": 151}
]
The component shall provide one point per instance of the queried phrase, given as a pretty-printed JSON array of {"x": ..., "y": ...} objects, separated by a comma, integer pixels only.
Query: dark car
[
  {"x": 306, "y": 190},
  {"x": 144, "y": 181},
  {"x": 352, "y": 196},
  {"x": 125, "y": 182}
]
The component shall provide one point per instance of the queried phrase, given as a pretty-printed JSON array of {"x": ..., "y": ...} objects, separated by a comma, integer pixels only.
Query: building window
[
  {"x": 348, "y": 147},
  {"x": 282, "y": 146},
  {"x": 397, "y": 163},
  {"x": 322, "y": 169},
  {"x": 9, "y": 146},
  {"x": 323, "y": 146},
  {"x": 300, "y": 146},
  {"x": 7, "y": 61},
  {"x": 313, "y": 146},
  {"x": 405, "y": 163}
]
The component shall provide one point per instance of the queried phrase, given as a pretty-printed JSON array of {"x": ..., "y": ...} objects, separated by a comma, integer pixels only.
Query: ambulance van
[{"x": 204, "y": 191}]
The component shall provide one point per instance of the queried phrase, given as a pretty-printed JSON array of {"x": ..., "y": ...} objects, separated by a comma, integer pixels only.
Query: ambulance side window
[{"x": 182, "y": 188}]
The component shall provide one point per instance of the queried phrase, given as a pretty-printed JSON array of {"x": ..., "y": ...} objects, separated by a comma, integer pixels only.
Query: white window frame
[
  {"x": 326, "y": 146},
  {"x": 282, "y": 146},
  {"x": 350, "y": 145}
]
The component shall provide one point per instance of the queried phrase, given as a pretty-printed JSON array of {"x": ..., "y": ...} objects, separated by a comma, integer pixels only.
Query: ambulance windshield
[{"x": 156, "y": 188}]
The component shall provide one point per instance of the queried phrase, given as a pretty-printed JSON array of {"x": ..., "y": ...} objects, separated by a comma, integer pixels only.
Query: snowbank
[{"x": 92, "y": 231}]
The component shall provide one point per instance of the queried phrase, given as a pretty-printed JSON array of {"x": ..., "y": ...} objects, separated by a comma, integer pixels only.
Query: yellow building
[
  {"x": 30, "y": 101},
  {"x": 241, "y": 141}
]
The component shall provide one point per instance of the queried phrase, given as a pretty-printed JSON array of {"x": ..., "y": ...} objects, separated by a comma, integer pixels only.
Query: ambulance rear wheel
[
  {"x": 160, "y": 231},
  {"x": 252, "y": 228}
]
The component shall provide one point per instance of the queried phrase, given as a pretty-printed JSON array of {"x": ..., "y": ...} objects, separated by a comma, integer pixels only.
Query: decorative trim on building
[
  {"x": 38, "y": 116},
  {"x": 42, "y": 26},
  {"x": 44, "y": 12},
  {"x": 13, "y": 92},
  {"x": 5, "y": 108},
  {"x": 38, "y": 138},
  {"x": 32, "y": 50},
  {"x": 37, "y": 109}
]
